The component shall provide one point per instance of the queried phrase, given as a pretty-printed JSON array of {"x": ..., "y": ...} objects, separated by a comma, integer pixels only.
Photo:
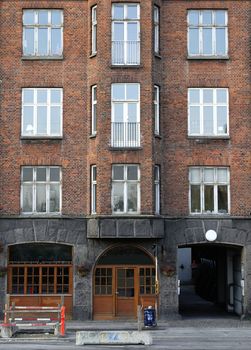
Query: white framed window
[
  {"x": 207, "y": 33},
  {"x": 94, "y": 110},
  {"x": 42, "y": 112},
  {"x": 208, "y": 112},
  {"x": 156, "y": 13},
  {"x": 43, "y": 33},
  {"x": 41, "y": 189},
  {"x": 157, "y": 188},
  {"x": 209, "y": 190},
  {"x": 94, "y": 29},
  {"x": 125, "y": 115},
  {"x": 125, "y": 189},
  {"x": 125, "y": 34},
  {"x": 93, "y": 189},
  {"x": 156, "y": 110}
]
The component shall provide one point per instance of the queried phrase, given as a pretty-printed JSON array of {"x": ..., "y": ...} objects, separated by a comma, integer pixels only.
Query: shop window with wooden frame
[{"x": 40, "y": 269}]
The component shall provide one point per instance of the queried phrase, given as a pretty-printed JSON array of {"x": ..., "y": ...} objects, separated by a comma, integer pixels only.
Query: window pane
[
  {"x": 221, "y": 120},
  {"x": 222, "y": 199},
  {"x": 193, "y": 18},
  {"x": 56, "y": 17},
  {"x": 195, "y": 199},
  {"x": 132, "y": 91},
  {"x": 207, "y": 95},
  {"x": 132, "y": 172},
  {"x": 28, "y": 96},
  {"x": 118, "y": 34},
  {"x": 132, "y": 197},
  {"x": 41, "y": 198},
  {"x": 118, "y": 91},
  {"x": 27, "y": 198},
  {"x": 222, "y": 175},
  {"x": 221, "y": 95},
  {"x": 118, "y": 11},
  {"x": 207, "y": 41},
  {"x": 194, "y": 120},
  {"x": 42, "y": 41},
  {"x": 132, "y": 112},
  {"x": 195, "y": 175},
  {"x": 54, "y": 174},
  {"x": 27, "y": 174},
  {"x": 208, "y": 175},
  {"x": 193, "y": 41},
  {"x": 132, "y": 32},
  {"x": 220, "y": 18},
  {"x": 54, "y": 198},
  {"x": 28, "y": 45},
  {"x": 28, "y": 127},
  {"x": 43, "y": 17},
  {"x": 221, "y": 41},
  {"x": 29, "y": 17},
  {"x": 118, "y": 112},
  {"x": 41, "y": 96},
  {"x": 55, "y": 120},
  {"x": 209, "y": 198},
  {"x": 55, "y": 96},
  {"x": 194, "y": 95},
  {"x": 208, "y": 120},
  {"x": 41, "y": 120},
  {"x": 132, "y": 12},
  {"x": 207, "y": 17},
  {"x": 118, "y": 172},
  {"x": 56, "y": 45},
  {"x": 118, "y": 197},
  {"x": 41, "y": 174}
]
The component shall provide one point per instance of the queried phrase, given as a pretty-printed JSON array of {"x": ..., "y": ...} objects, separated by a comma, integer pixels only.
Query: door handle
[{"x": 117, "y": 293}]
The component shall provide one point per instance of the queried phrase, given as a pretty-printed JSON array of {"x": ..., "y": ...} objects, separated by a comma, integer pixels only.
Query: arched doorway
[
  {"x": 211, "y": 280},
  {"x": 39, "y": 274},
  {"x": 124, "y": 277}
]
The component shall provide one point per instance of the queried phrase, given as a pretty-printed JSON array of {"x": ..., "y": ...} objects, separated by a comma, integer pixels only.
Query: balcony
[
  {"x": 125, "y": 135},
  {"x": 126, "y": 52}
]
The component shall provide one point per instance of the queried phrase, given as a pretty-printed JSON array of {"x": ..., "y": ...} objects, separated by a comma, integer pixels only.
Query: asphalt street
[{"x": 173, "y": 338}]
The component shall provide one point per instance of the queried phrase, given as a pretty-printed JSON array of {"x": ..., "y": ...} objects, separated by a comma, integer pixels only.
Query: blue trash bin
[{"x": 150, "y": 317}]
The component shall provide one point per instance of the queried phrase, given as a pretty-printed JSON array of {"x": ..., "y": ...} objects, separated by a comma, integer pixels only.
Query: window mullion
[
  {"x": 201, "y": 112},
  {"x": 35, "y": 111},
  {"x": 48, "y": 108}
]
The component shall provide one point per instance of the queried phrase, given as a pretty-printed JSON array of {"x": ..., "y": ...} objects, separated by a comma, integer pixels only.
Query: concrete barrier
[{"x": 113, "y": 337}]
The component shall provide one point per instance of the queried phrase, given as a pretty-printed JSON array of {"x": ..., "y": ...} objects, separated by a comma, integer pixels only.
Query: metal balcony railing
[
  {"x": 125, "y": 135},
  {"x": 126, "y": 52}
]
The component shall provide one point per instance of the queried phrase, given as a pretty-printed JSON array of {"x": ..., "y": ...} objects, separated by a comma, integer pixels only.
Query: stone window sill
[
  {"x": 43, "y": 58},
  {"x": 208, "y": 57}
]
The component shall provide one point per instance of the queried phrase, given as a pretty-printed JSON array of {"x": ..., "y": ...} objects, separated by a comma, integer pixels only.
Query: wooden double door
[{"x": 119, "y": 289}]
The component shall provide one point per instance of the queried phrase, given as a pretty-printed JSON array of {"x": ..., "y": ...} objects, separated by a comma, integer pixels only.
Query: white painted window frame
[
  {"x": 156, "y": 103},
  {"x": 157, "y": 188},
  {"x": 34, "y": 184},
  {"x": 126, "y": 101},
  {"x": 215, "y": 116},
  {"x": 125, "y": 22},
  {"x": 94, "y": 110},
  {"x": 49, "y": 26},
  {"x": 48, "y": 104},
  {"x": 213, "y": 27},
  {"x": 156, "y": 17},
  {"x": 125, "y": 183},
  {"x": 93, "y": 189},
  {"x": 202, "y": 184},
  {"x": 94, "y": 29}
]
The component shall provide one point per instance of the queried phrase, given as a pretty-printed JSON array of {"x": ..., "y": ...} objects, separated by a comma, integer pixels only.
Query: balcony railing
[
  {"x": 126, "y": 52},
  {"x": 125, "y": 135}
]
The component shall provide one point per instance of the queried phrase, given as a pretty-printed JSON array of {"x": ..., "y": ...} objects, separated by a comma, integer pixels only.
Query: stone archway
[{"x": 124, "y": 277}]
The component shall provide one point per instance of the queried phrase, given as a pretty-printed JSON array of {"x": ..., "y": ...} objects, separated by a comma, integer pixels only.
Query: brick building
[{"x": 124, "y": 135}]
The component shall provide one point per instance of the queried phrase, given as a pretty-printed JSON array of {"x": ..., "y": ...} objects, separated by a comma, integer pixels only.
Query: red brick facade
[{"x": 77, "y": 72}]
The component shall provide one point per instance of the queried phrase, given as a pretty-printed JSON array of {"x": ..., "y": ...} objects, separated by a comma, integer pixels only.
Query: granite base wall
[{"x": 177, "y": 233}]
